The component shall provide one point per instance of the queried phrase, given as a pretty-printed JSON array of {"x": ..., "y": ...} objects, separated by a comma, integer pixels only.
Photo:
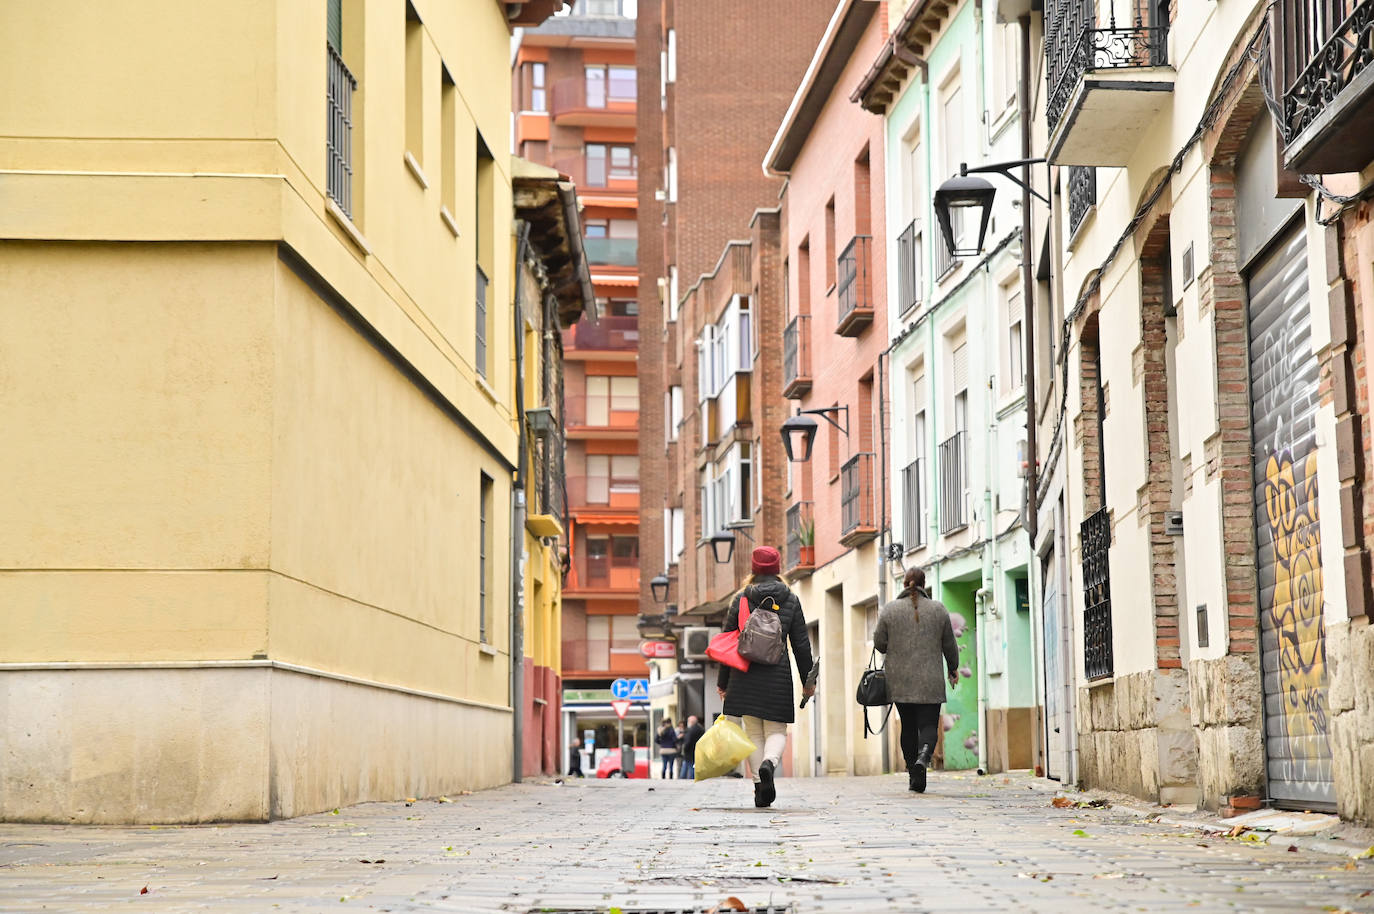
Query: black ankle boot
[
  {"x": 918, "y": 770},
  {"x": 911, "y": 777},
  {"x": 764, "y": 791}
]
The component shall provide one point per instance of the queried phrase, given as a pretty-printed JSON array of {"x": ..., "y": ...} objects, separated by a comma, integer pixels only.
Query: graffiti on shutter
[{"x": 1284, "y": 395}]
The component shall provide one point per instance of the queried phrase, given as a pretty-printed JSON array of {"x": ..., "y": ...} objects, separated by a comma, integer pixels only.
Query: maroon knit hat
[{"x": 767, "y": 560}]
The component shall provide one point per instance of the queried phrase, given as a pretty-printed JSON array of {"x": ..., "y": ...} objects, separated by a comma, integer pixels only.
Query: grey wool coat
[{"x": 913, "y": 649}]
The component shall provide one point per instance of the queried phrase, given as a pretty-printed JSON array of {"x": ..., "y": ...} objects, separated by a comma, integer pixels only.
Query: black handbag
[{"x": 872, "y": 693}]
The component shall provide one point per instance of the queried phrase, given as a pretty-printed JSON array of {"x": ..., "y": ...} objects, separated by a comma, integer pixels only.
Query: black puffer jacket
[{"x": 766, "y": 690}]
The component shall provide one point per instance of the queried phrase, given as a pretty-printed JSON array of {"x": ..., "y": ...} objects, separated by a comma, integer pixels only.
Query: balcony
[
  {"x": 854, "y": 287},
  {"x": 598, "y": 576},
  {"x": 1108, "y": 79},
  {"x": 858, "y": 515},
  {"x": 1323, "y": 53},
  {"x": 796, "y": 358},
  {"x": 339, "y": 181},
  {"x": 913, "y": 504},
  {"x": 601, "y": 416},
  {"x": 910, "y": 255},
  {"x": 578, "y": 102},
  {"x": 619, "y": 252},
  {"x": 800, "y": 559},
  {"x": 953, "y": 483},
  {"x": 603, "y": 493},
  {"x": 598, "y": 175},
  {"x": 612, "y": 333}
]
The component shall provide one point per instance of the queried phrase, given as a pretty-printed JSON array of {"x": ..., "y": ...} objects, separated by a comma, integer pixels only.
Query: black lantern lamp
[
  {"x": 972, "y": 197},
  {"x": 799, "y": 431},
  {"x": 658, "y": 586},
  {"x": 723, "y": 545}
]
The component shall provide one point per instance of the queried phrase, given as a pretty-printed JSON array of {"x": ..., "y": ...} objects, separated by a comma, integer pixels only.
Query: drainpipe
[
  {"x": 980, "y": 600},
  {"x": 517, "y": 524}
]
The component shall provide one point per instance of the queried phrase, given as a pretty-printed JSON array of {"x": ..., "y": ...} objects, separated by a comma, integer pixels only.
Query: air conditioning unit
[{"x": 695, "y": 640}]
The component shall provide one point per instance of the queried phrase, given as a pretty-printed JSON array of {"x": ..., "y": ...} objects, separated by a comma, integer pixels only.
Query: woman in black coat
[{"x": 760, "y": 700}]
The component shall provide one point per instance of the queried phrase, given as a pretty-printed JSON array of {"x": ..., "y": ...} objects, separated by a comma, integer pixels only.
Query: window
[
  {"x": 448, "y": 143},
  {"x": 670, "y": 70},
  {"x": 624, "y": 473},
  {"x": 672, "y": 174},
  {"x": 624, "y": 552},
  {"x": 609, "y": 84},
  {"x": 340, "y": 117},
  {"x": 598, "y": 479},
  {"x": 415, "y": 77},
  {"x": 830, "y": 243},
  {"x": 672, "y": 535},
  {"x": 624, "y": 228},
  {"x": 596, "y": 165},
  {"x": 959, "y": 378},
  {"x": 621, "y": 84},
  {"x": 672, "y": 293},
  {"x": 596, "y": 228},
  {"x": 625, "y": 395},
  {"x": 708, "y": 516},
  {"x": 1015, "y": 347},
  {"x": 624, "y": 163},
  {"x": 918, "y": 408},
  {"x": 482, "y": 242},
  {"x": 484, "y": 552},
  {"x": 951, "y": 148},
  {"x": 1006, "y": 58},
  {"x": 534, "y": 88},
  {"x": 672, "y": 411}
]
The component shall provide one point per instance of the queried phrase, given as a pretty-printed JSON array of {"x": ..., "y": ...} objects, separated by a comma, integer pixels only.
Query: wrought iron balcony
[
  {"x": 1096, "y": 533},
  {"x": 953, "y": 483},
  {"x": 342, "y": 84},
  {"x": 1108, "y": 78},
  {"x": 611, "y": 333},
  {"x": 1324, "y": 49},
  {"x": 913, "y": 504},
  {"x": 910, "y": 254},
  {"x": 1082, "y": 194},
  {"x": 796, "y": 358},
  {"x": 854, "y": 287},
  {"x": 858, "y": 515},
  {"x": 801, "y": 539}
]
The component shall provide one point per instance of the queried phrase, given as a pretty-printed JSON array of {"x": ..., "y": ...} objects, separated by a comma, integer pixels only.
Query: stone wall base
[
  {"x": 1226, "y": 695},
  {"x": 1350, "y": 665},
  {"x": 1136, "y": 736},
  {"x": 1013, "y": 738},
  {"x": 207, "y": 743}
]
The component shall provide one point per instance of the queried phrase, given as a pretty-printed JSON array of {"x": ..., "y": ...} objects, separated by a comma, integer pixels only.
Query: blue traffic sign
[{"x": 633, "y": 689}]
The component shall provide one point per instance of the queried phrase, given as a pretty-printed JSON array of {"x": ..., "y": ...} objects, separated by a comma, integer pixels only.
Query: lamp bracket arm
[
  {"x": 825, "y": 412},
  {"x": 1005, "y": 170}
]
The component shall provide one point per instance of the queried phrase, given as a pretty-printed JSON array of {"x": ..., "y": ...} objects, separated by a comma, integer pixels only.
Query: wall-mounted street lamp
[
  {"x": 973, "y": 197},
  {"x": 658, "y": 586},
  {"x": 723, "y": 545},
  {"x": 799, "y": 431}
]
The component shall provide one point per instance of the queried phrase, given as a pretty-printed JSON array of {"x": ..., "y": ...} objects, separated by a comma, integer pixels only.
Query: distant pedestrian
[
  {"x": 760, "y": 700},
  {"x": 690, "y": 734},
  {"x": 913, "y": 633},
  {"x": 575, "y": 761},
  {"x": 667, "y": 748}
]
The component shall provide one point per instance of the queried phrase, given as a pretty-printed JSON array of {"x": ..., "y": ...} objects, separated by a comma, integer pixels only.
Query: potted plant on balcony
[{"x": 806, "y": 539}]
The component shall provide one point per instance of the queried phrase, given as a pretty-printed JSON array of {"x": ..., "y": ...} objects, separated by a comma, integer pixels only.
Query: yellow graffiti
[{"x": 1295, "y": 614}]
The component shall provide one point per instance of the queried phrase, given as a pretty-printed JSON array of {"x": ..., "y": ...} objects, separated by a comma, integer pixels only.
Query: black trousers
[{"x": 920, "y": 727}]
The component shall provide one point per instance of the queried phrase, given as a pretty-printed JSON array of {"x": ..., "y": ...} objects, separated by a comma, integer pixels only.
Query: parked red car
[{"x": 609, "y": 766}]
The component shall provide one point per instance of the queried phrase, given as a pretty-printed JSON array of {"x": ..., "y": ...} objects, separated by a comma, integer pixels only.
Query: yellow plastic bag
[{"x": 721, "y": 749}]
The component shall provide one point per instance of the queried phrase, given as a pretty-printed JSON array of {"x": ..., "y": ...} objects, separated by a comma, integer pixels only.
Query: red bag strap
[{"x": 743, "y": 611}]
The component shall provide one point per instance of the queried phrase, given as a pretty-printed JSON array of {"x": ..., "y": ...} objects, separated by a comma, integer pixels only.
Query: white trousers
[{"x": 770, "y": 738}]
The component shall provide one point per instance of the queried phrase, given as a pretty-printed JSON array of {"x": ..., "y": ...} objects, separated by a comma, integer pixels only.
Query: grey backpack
[{"x": 761, "y": 639}]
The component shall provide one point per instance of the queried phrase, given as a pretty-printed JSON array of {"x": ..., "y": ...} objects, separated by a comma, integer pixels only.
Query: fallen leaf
[
  {"x": 143, "y": 891},
  {"x": 1061, "y": 803},
  {"x": 334, "y": 812},
  {"x": 444, "y": 800},
  {"x": 1292, "y": 848},
  {"x": 1080, "y": 833},
  {"x": 1236, "y": 831},
  {"x": 410, "y": 799},
  {"x": 1369, "y": 853}
]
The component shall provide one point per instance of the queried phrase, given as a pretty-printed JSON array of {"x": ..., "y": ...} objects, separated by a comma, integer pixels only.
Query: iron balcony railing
[
  {"x": 913, "y": 503},
  {"x": 339, "y": 179},
  {"x": 1082, "y": 194},
  {"x": 1322, "y": 46},
  {"x": 796, "y": 357},
  {"x": 549, "y": 477},
  {"x": 1080, "y": 36},
  {"x": 953, "y": 483},
  {"x": 480, "y": 356},
  {"x": 910, "y": 252},
  {"x": 853, "y": 288},
  {"x": 856, "y": 495},
  {"x": 1096, "y": 533},
  {"x": 610, "y": 333},
  {"x": 801, "y": 532}
]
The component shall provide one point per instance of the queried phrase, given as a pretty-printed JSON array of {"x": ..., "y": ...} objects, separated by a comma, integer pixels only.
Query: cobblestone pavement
[{"x": 829, "y": 845}]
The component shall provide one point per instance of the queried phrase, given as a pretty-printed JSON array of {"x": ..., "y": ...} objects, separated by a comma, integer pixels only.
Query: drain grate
[{"x": 713, "y": 909}]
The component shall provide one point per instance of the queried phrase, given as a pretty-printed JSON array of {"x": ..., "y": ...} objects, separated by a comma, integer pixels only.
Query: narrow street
[{"x": 841, "y": 844}]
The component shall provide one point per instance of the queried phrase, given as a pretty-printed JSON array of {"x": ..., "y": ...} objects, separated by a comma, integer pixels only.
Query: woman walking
[
  {"x": 667, "y": 748},
  {"x": 760, "y": 700},
  {"x": 913, "y": 632}
]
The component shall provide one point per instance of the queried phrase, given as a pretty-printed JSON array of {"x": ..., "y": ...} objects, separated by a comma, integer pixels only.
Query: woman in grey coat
[{"x": 913, "y": 632}]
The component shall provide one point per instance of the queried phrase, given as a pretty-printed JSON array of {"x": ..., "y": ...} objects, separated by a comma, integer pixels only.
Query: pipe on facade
[
  {"x": 517, "y": 523},
  {"x": 980, "y": 602}
]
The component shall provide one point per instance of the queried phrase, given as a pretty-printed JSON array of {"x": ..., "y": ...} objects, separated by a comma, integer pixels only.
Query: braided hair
[{"x": 914, "y": 587}]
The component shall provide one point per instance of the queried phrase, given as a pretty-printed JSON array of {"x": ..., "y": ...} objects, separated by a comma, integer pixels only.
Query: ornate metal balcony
[
  {"x": 858, "y": 517},
  {"x": 854, "y": 287},
  {"x": 1082, "y": 194},
  {"x": 796, "y": 358},
  {"x": 953, "y": 483},
  {"x": 1324, "y": 49},
  {"x": 1108, "y": 78},
  {"x": 1096, "y": 533}
]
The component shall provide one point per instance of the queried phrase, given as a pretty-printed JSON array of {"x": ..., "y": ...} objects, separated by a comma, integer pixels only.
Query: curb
[{"x": 1329, "y": 846}]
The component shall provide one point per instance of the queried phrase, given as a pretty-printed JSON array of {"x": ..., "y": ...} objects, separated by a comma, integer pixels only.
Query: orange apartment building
[{"x": 574, "y": 85}]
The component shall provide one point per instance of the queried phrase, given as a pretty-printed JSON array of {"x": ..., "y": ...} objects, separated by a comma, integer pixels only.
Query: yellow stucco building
[{"x": 256, "y": 275}]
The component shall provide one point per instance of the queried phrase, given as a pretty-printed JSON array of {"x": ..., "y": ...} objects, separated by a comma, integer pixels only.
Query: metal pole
[
  {"x": 517, "y": 525},
  {"x": 1028, "y": 288}
]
